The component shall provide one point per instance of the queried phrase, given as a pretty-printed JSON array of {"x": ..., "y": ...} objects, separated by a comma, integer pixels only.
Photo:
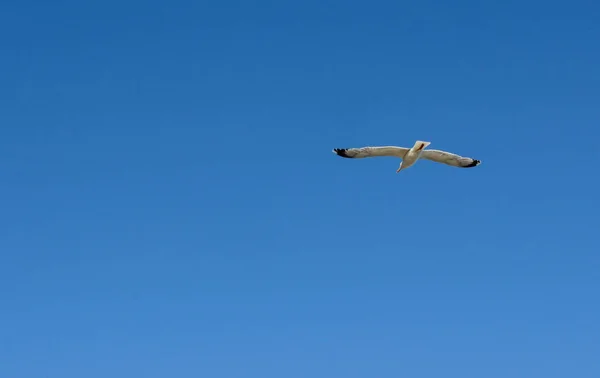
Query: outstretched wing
[
  {"x": 449, "y": 159},
  {"x": 364, "y": 152}
]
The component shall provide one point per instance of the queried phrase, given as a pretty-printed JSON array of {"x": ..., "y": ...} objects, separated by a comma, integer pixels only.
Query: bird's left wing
[
  {"x": 449, "y": 159},
  {"x": 364, "y": 152}
]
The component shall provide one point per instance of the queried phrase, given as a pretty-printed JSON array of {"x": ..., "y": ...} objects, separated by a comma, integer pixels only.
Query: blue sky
[{"x": 171, "y": 206}]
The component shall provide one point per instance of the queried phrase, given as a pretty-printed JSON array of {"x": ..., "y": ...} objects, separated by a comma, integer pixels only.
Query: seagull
[{"x": 409, "y": 156}]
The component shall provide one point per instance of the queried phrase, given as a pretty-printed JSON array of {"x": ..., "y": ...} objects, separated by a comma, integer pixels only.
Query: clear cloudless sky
[{"x": 170, "y": 205}]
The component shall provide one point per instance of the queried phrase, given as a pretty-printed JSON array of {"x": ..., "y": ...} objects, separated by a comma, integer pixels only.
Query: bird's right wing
[
  {"x": 449, "y": 159},
  {"x": 365, "y": 152}
]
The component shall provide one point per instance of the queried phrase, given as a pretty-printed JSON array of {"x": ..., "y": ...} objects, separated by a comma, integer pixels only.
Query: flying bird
[{"x": 409, "y": 156}]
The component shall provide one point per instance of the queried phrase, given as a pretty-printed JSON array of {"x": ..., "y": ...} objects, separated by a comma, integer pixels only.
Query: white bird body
[
  {"x": 412, "y": 155},
  {"x": 409, "y": 156}
]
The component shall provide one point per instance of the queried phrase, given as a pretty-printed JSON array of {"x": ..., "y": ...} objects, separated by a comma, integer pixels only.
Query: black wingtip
[
  {"x": 341, "y": 152},
  {"x": 474, "y": 163}
]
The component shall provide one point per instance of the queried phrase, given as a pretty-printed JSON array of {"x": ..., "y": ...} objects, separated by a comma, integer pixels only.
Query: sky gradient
[{"x": 170, "y": 205}]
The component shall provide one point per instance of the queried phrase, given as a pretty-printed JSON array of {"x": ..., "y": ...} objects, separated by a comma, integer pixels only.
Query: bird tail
[{"x": 419, "y": 145}]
